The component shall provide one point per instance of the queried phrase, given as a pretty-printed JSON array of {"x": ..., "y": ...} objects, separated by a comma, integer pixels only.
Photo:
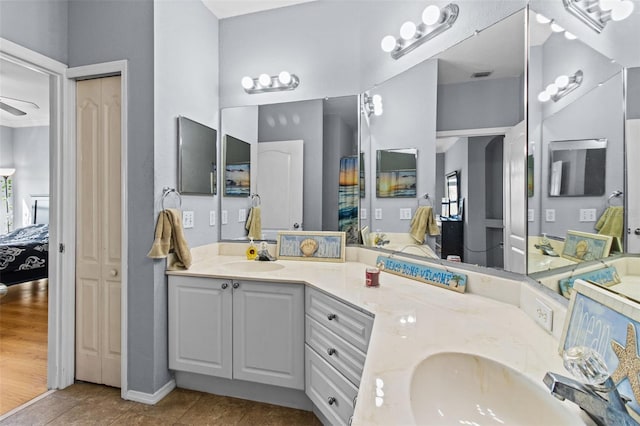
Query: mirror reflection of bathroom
[
  {"x": 197, "y": 171},
  {"x": 577, "y": 168},
  {"x": 396, "y": 173}
]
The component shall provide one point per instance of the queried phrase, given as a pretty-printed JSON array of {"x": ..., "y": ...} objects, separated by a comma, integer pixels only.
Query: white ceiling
[
  {"x": 19, "y": 82},
  {"x": 229, "y": 8}
]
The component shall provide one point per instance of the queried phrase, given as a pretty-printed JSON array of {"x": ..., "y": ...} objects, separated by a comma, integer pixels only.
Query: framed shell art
[{"x": 315, "y": 246}]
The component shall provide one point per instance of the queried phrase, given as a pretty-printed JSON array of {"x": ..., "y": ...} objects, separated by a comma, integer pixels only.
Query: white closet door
[
  {"x": 515, "y": 176},
  {"x": 633, "y": 184},
  {"x": 98, "y": 232}
]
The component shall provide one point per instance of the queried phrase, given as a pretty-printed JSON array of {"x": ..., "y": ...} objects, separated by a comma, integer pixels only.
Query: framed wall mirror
[
  {"x": 396, "y": 173},
  {"x": 452, "y": 193},
  {"x": 578, "y": 168},
  {"x": 237, "y": 167},
  {"x": 197, "y": 168}
]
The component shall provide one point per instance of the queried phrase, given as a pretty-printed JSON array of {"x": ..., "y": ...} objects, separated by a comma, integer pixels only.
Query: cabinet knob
[
  {"x": 224, "y": 286},
  {"x": 331, "y": 351},
  {"x": 236, "y": 284},
  {"x": 331, "y": 317},
  {"x": 331, "y": 400},
  {"x": 114, "y": 272}
]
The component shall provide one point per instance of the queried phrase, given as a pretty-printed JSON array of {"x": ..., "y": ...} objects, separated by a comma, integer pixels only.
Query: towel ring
[
  {"x": 166, "y": 191},
  {"x": 427, "y": 198},
  {"x": 614, "y": 194},
  {"x": 255, "y": 200}
]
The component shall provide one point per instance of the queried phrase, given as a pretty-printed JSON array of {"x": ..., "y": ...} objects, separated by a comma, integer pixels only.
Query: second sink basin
[
  {"x": 454, "y": 388},
  {"x": 252, "y": 266}
]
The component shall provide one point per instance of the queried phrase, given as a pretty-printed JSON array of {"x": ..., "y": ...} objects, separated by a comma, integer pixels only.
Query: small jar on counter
[{"x": 372, "y": 276}]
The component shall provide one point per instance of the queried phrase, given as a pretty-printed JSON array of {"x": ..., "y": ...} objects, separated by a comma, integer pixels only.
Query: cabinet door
[
  {"x": 268, "y": 333},
  {"x": 200, "y": 325}
]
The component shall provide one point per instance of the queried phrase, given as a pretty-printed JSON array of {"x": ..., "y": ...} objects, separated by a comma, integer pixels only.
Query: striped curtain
[{"x": 348, "y": 198}]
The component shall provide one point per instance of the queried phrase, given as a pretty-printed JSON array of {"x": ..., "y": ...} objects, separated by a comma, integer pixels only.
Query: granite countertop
[{"x": 444, "y": 321}]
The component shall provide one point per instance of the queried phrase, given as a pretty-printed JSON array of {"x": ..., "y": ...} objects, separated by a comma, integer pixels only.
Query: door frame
[
  {"x": 105, "y": 69},
  {"x": 60, "y": 362}
]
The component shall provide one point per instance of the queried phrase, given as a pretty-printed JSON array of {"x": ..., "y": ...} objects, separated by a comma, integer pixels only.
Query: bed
[{"x": 23, "y": 254}]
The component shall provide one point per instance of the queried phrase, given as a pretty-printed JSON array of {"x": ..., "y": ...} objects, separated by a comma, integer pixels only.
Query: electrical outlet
[
  {"x": 363, "y": 213},
  {"x": 242, "y": 215},
  {"x": 224, "y": 217},
  {"x": 212, "y": 218},
  {"x": 378, "y": 214},
  {"x": 544, "y": 315},
  {"x": 550, "y": 215},
  {"x": 587, "y": 215},
  {"x": 531, "y": 215},
  {"x": 187, "y": 219},
  {"x": 405, "y": 214}
]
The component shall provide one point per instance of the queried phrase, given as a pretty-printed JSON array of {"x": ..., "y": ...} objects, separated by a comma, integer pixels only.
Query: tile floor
[{"x": 88, "y": 404}]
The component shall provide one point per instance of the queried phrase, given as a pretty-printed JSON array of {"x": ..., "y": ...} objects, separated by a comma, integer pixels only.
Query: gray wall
[
  {"x": 6, "y": 146},
  {"x": 40, "y": 25},
  {"x": 480, "y": 104},
  {"x": 31, "y": 161},
  {"x": 338, "y": 141},
  {"x": 307, "y": 127},
  {"x": 633, "y": 93},
  {"x": 101, "y": 31}
]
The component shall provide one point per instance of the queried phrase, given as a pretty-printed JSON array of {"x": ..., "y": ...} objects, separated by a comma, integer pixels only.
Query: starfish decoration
[{"x": 629, "y": 363}]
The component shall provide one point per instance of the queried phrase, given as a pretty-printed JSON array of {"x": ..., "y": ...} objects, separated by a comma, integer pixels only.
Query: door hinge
[{"x": 61, "y": 248}]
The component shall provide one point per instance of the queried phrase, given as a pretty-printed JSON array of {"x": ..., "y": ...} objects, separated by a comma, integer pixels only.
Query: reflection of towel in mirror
[
  {"x": 254, "y": 224},
  {"x": 423, "y": 222},
  {"x": 611, "y": 222},
  {"x": 170, "y": 242}
]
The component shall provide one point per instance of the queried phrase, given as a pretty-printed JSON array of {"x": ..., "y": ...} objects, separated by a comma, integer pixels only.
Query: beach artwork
[
  {"x": 236, "y": 180},
  {"x": 396, "y": 183}
]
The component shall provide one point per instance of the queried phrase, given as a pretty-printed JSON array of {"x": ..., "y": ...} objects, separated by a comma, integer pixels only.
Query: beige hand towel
[
  {"x": 254, "y": 224},
  {"x": 170, "y": 242},
  {"x": 612, "y": 223},
  {"x": 423, "y": 222}
]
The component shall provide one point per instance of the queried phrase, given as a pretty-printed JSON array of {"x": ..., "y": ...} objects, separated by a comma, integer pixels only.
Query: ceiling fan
[{"x": 13, "y": 110}]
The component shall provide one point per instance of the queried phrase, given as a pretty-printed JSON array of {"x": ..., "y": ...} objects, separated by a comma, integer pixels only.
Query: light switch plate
[
  {"x": 242, "y": 215},
  {"x": 212, "y": 218},
  {"x": 378, "y": 214},
  {"x": 530, "y": 215},
  {"x": 187, "y": 219},
  {"x": 363, "y": 213},
  {"x": 587, "y": 215},
  {"x": 405, "y": 214},
  {"x": 544, "y": 315},
  {"x": 550, "y": 215},
  {"x": 224, "y": 217}
]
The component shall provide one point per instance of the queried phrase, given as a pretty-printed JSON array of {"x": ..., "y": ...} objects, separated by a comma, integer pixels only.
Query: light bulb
[
  {"x": 544, "y": 96},
  {"x": 377, "y": 110},
  {"x": 431, "y": 15},
  {"x": 376, "y": 99},
  {"x": 542, "y": 19},
  {"x": 388, "y": 43},
  {"x": 622, "y": 10},
  {"x": 607, "y": 4},
  {"x": 284, "y": 78},
  {"x": 556, "y": 28},
  {"x": 264, "y": 80},
  {"x": 247, "y": 82},
  {"x": 562, "y": 81},
  {"x": 552, "y": 89},
  {"x": 408, "y": 30},
  {"x": 569, "y": 36}
]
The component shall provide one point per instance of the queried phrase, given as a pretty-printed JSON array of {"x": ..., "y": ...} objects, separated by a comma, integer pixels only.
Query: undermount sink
[
  {"x": 252, "y": 266},
  {"x": 456, "y": 388}
]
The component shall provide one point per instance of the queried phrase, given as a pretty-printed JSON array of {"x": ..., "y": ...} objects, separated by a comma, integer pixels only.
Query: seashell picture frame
[{"x": 315, "y": 246}]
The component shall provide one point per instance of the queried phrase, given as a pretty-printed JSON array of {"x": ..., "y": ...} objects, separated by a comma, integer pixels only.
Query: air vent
[{"x": 481, "y": 74}]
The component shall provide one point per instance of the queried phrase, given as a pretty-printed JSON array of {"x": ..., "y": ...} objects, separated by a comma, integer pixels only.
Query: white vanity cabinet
[
  {"x": 336, "y": 340},
  {"x": 246, "y": 330}
]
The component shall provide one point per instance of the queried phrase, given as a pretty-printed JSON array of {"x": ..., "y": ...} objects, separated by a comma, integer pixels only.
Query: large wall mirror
[
  {"x": 457, "y": 110},
  {"x": 579, "y": 187},
  {"x": 197, "y": 171},
  {"x": 303, "y": 167}
]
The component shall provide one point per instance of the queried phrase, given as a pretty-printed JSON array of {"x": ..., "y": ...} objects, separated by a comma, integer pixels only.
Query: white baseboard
[{"x": 151, "y": 399}]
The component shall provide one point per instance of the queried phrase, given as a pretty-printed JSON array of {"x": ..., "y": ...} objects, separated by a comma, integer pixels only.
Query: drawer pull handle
[
  {"x": 355, "y": 399},
  {"x": 331, "y": 317},
  {"x": 236, "y": 284},
  {"x": 331, "y": 400},
  {"x": 331, "y": 351},
  {"x": 224, "y": 286}
]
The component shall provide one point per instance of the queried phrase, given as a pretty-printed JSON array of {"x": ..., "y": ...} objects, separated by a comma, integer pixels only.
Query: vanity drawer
[
  {"x": 349, "y": 323},
  {"x": 335, "y": 350},
  {"x": 329, "y": 391}
]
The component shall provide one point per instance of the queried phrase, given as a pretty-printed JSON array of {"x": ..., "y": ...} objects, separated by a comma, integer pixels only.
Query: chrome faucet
[{"x": 595, "y": 393}]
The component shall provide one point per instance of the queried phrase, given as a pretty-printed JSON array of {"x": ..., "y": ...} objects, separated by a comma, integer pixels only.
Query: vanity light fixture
[
  {"x": 435, "y": 21},
  {"x": 372, "y": 105},
  {"x": 561, "y": 87},
  {"x": 555, "y": 27},
  {"x": 597, "y": 13},
  {"x": 267, "y": 83}
]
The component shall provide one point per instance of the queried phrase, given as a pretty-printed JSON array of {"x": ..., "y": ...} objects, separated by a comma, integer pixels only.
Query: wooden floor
[
  {"x": 88, "y": 404},
  {"x": 23, "y": 344}
]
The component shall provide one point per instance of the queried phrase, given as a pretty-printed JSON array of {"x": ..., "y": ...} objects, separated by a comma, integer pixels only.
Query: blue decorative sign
[
  {"x": 606, "y": 277},
  {"x": 427, "y": 274}
]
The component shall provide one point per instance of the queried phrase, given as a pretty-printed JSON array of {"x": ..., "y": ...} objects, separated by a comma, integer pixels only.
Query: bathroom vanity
[{"x": 365, "y": 350}]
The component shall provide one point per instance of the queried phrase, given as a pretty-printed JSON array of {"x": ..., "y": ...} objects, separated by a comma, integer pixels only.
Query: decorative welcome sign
[
  {"x": 427, "y": 274},
  {"x": 605, "y": 277}
]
